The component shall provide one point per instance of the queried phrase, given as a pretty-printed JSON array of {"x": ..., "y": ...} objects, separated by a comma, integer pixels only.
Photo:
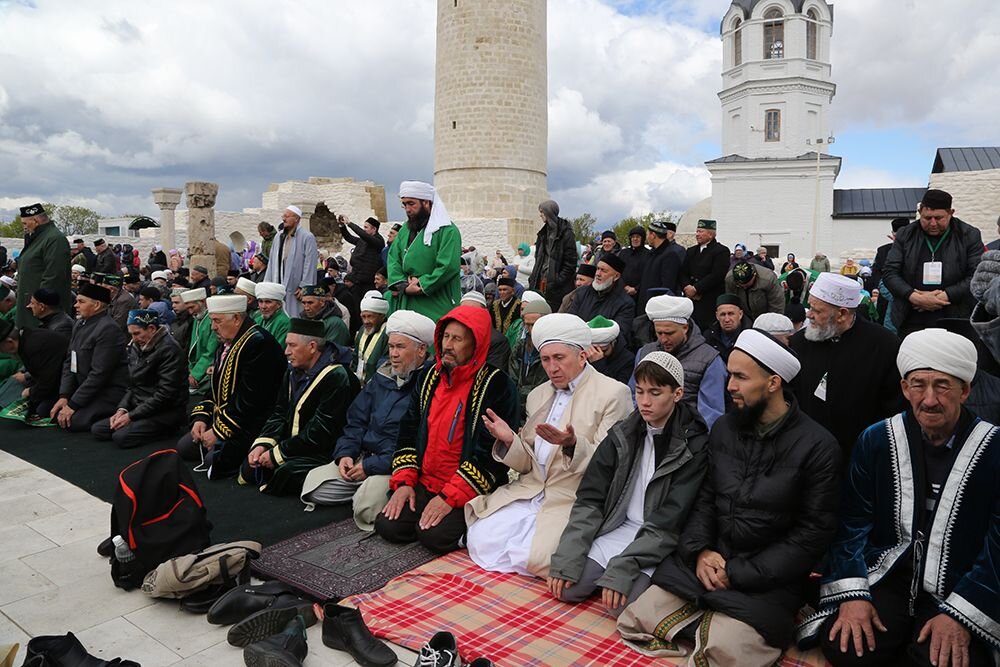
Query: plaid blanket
[{"x": 508, "y": 618}]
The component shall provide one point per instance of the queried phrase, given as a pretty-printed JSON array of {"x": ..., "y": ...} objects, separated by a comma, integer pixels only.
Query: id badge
[
  {"x": 820, "y": 392},
  {"x": 72, "y": 361},
  {"x": 933, "y": 273}
]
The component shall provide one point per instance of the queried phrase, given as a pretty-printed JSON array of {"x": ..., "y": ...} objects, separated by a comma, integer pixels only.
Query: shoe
[
  {"x": 106, "y": 548},
  {"x": 345, "y": 630},
  {"x": 238, "y": 603},
  {"x": 481, "y": 662},
  {"x": 286, "y": 649},
  {"x": 205, "y": 599},
  {"x": 65, "y": 651},
  {"x": 440, "y": 651},
  {"x": 267, "y": 622}
]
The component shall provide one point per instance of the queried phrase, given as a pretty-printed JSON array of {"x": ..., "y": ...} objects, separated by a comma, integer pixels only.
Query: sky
[{"x": 103, "y": 100}]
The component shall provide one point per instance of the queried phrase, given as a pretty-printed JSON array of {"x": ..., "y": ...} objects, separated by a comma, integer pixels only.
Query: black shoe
[
  {"x": 65, "y": 651},
  {"x": 440, "y": 651},
  {"x": 106, "y": 548},
  {"x": 287, "y": 649},
  {"x": 345, "y": 630},
  {"x": 267, "y": 622},
  {"x": 481, "y": 662},
  {"x": 238, "y": 603}
]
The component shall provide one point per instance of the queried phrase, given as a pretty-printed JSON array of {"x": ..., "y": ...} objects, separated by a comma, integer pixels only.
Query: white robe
[{"x": 297, "y": 270}]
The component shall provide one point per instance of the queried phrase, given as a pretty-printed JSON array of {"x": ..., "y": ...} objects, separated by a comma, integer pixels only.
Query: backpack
[
  {"x": 158, "y": 511},
  {"x": 227, "y": 564}
]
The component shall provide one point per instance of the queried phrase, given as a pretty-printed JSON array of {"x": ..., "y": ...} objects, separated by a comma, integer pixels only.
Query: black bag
[{"x": 158, "y": 511}]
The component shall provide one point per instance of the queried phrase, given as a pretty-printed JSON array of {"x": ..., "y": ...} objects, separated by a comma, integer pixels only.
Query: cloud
[{"x": 124, "y": 31}]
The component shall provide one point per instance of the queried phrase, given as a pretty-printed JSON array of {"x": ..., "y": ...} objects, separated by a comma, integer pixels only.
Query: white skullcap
[
  {"x": 603, "y": 330},
  {"x": 774, "y": 323},
  {"x": 412, "y": 325},
  {"x": 669, "y": 309},
  {"x": 529, "y": 296},
  {"x": 837, "y": 290},
  {"x": 561, "y": 328},
  {"x": 938, "y": 350},
  {"x": 294, "y": 209},
  {"x": 474, "y": 297},
  {"x": 75, "y": 268},
  {"x": 667, "y": 362},
  {"x": 160, "y": 275},
  {"x": 270, "y": 292},
  {"x": 227, "y": 303},
  {"x": 8, "y": 281},
  {"x": 192, "y": 295},
  {"x": 769, "y": 354},
  {"x": 157, "y": 247},
  {"x": 374, "y": 302},
  {"x": 439, "y": 214},
  {"x": 247, "y": 285}
]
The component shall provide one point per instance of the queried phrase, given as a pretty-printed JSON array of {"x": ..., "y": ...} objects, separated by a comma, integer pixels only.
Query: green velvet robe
[{"x": 437, "y": 267}]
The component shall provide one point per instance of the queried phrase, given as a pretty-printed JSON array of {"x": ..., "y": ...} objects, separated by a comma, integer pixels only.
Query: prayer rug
[
  {"x": 338, "y": 560},
  {"x": 508, "y": 618}
]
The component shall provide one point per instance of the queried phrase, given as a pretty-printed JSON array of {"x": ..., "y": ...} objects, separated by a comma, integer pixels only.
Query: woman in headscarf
[{"x": 524, "y": 262}]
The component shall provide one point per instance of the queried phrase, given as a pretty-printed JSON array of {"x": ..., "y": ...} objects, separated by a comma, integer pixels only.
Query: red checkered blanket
[{"x": 506, "y": 617}]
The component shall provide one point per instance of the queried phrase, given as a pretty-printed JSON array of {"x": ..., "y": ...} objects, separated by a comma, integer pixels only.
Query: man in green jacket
[
  {"x": 423, "y": 263},
  {"x": 201, "y": 354},
  {"x": 270, "y": 314},
  {"x": 317, "y": 304},
  {"x": 44, "y": 262}
]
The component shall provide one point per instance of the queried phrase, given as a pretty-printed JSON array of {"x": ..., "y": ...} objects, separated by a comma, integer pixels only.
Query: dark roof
[
  {"x": 877, "y": 202},
  {"x": 739, "y": 158},
  {"x": 966, "y": 159},
  {"x": 748, "y": 5}
]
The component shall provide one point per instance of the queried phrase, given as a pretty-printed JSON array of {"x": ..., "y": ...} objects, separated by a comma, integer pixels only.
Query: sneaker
[
  {"x": 440, "y": 651},
  {"x": 481, "y": 662}
]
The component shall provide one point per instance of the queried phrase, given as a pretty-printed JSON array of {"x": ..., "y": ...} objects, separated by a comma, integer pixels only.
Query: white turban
[
  {"x": 837, "y": 290},
  {"x": 774, "y": 323},
  {"x": 669, "y": 309},
  {"x": 529, "y": 296},
  {"x": 192, "y": 295},
  {"x": 374, "y": 302},
  {"x": 75, "y": 268},
  {"x": 561, "y": 328},
  {"x": 769, "y": 354},
  {"x": 412, "y": 325},
  {"x": 247, "y": 285},
  {"x": 227, "y": 303},
  {"x": 294, "y": 209},
  {"x": 938, "y": 350},
  {"x": 270, "y": 292},
  {"x": 157, "y": 247},
  {"x": 603, "y": 330},
  {"x": 439, "y": 214},
  {"x": 160, "y": 275},
  {"x": 475, "y": 297},
  {"x": 667, "y": 362}
]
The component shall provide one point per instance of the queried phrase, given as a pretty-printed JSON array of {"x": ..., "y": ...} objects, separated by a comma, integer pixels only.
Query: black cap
[
  {"x": 49, "y": 297},
  {"x": 608, "y": 234},
  {"x": 233, "y": 273},
  {"x": 262, "y": 257},
  {"x": 151, "y": 292},
  {"x": 99, "y": 242},
  {"x": 77, "y": 240},
  {"x": 728, "y": 300},
  {"x": 507, "y": 282},
  {"x": 743, "y": 273},
  {"x": 304, "y": 327},
  {"x": 199, "y": 267},
  {"x": 131, "y": 278},
  {"x": 34, "y": 209},
  {"x": 638, "y": 230},
  {"x": 796, "y": 312},
  {"x": 113, "y": 279},
  {"x": 588, "y": 270},
  {"x": 315, "y": 290},
  {"x": 95, "y": 292},
  {"x": 899, "y": 223},
  {"x": 396, "y": 227},
  {"x": 936, "y": 200},
  {"x": 614, "y": 261},
  {"x": 373, "y": 222}
]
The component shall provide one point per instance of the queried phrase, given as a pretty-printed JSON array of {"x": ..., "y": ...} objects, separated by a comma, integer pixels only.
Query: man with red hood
[{"x": 443, "y": 456}]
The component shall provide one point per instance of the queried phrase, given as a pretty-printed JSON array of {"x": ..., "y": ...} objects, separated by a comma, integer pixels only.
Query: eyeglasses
[{"x": 937, "y": 387}]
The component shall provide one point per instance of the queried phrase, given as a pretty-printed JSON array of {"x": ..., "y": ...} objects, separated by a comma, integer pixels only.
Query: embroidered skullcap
[
  {"x": 743, "y": 273},
  {"x": 143, "y": 317},
  {"x": 529, "y": 296},
  {"x": 708, "y": 224},
  {"x": 837, "y": 290},
  {"x": 937, "y": 350},
  {"x": 603, "y": 330},
  {"x": 192, "y": 295},
  {"x": 774, "y": 323},
  {"x": 270, "y": 292},
  {"x": 160, "y": 275},
  {"x": 769, "y": 353},
  {"x": 669, "y": 309},
  {"x": 412, "y": 325},
  {"x": 474, "y": 297},
  {"x": 294, "y": 209},
  {"x": 29, "y": 211},
  {"x": 319, "y": 291},
  {"x": 95, "y": 292},
  {"x": 227, "y": 303},
  {"x": 247, "y": 285},
  {"x": 113, "y": 279},
  {"x": 667, "y": 362},
  {"x": 537, "y": 307},
  {"x": 425, "y": 191},
  {"x": 374, "y": 302},
  {"x": 561, "y": 328},
  {"x": 304, "y": 327},
  {"x": 614, "y": 261}
]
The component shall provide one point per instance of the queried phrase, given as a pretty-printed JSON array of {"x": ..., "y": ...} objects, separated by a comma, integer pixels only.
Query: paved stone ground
[{"x": 52, "y": 581}]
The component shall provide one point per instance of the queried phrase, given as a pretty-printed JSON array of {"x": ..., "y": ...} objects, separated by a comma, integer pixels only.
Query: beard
[
  {"x": 749, "y": 415},
  {"x": 417, "y": 221},
  {"x": 819, "y": 333},
  {"x": 601, "y": 287}
]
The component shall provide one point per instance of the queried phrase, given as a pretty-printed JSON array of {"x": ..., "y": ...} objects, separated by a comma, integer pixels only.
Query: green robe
[
  {"x": 334, "y": 329},
  {"x": 201, "y": 355},
  {"x": 437, "y": 267},
  {"x": 277, "y": 326},
  {"x": 44, "y": 262},
  {"x": 372, "y": 348}
]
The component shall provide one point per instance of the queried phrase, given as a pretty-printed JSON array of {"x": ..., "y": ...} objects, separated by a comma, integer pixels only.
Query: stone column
[
  {"x": 201, "y": 223},
  {"x": 308, "y": 208},
  {"x": 167, "y": 199}
]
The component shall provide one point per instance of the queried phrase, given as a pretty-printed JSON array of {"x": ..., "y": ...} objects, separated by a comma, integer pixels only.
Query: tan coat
[{"x": 598, "y": 403}]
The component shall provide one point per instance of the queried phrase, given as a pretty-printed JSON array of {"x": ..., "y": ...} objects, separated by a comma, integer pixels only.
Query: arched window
[
  {"x": 812, "y": 30},
  {"x": 737, "y": 43},
  {"x": 772, "y": 125},
  {"x": 774, "y": 34}
]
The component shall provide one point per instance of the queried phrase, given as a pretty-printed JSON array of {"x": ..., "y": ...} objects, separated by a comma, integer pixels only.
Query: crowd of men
[{"x": 707, "y": 444}]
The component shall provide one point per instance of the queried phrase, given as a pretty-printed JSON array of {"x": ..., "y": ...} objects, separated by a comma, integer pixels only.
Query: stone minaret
[{"x": 491, "y": 116}]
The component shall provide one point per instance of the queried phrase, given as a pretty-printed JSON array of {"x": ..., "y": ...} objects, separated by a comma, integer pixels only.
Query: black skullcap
[
  {"x": 262, "y": 257},
  {"x": 49, "y": 297},
  {"x": 743, "y": 273},
  {"x": 304, "y": 327},
  {"x": 199, "y": 267},
  {"x": 315, "y": 290},
  {"x": 233, "y": 273},
  {"x": 638, "y": 230},
  {"x": 614, "y": 261},
  {"x": 99, "y": 242},
  {"x": 509, "y": 282},
  {"x": 131, "y": 278},
  {"x": 899, "y": 223},
  {"x": 588, "y": 270},
  {"x": 608, "y": 234},
  {"x": 95, "y": 292},
  {"x": 77, "y": 240},
  {"x": 373, "y": 222},
  {"x": 151, "y": 292},
  {"x": 728, "y": 300},
  {"x": 113, "y": 279},
  {"x": 936, "y": 200},
  {"x": 796, "y": 312},
  {"x": 396, "y": 227},
  {"x": 34, "y": 209}
]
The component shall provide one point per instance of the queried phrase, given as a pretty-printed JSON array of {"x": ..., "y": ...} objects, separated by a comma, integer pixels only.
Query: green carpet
[{"x": 236, "y": 512}]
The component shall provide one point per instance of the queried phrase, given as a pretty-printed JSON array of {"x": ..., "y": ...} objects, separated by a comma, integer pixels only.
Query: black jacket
[
  {"x": 555, "y": 261},
  {"x": 101, "y": 369},
  {"x": 662, "y": 269},
  {"x": 106, "y": 262},
  {"x": 366, "y": 257},
  {"x": 59, "y": 322},
  {"x": 613, "y": 303},
  {"x": 157, "y": 378},
  {"x": 635, "y": 264},
  {"x": 619, "y": 365},
  {"x": 706, "y": 270},
  {"x": 42, "y": 351},
  {"x": 713, "y": 336}
]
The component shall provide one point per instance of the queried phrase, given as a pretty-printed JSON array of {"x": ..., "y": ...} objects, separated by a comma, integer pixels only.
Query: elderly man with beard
[
  {"x": 293, "y": 259},
  {"x": 556, "y": 256},
  {"x": 122, "y": 302},
  {"x": 764, "y": 516},
  {"x": 371, "y": 343},
  {"x": 362, "y": 459},
  {"x": 525, "y": 366},
  {"x": 44, "y": 262},
  {"x": 270, "y": 314},
  {"x": 606, "y": 296},
  {"x": 506, "y": 311},
  {"x": 423, "y": 261},
  {"x": 849, "y": 378}
]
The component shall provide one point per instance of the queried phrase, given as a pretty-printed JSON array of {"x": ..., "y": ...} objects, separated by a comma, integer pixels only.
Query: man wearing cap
[
  {"x": 517, "y": 527},
  {"x": 7, "y": 302},
  {"x": 270, "y": 314},
  {"x": 443, "y": 453},
  {"x": 608, "y": 353},
  {"x": 606, "y": 297},
  {"x": 776, "y": 324},
  {"x": 704, "y": 369},
  {"x": 730, "y": 321},
  {"x": 930, "y": 266},
  {"x": 911, "y": 576},
  {"x": 362, "y": 458},
  {"x": 201, "y": 353},
  {"x": 664, "y": 264},
  {"x": 423, "y": 261},
  {"x": 105, "y": 261},
  {"x": 293, "y": 259},
  {"x": 95, "y": 368},
  {"x": 506, "y": 311},
  {"x": 500, "y": 348},
  {"x": 556, "y": 256},
  {"x": 366, "y": 256},
  {"x": 635, "y": 257},
  {"x": 10, "y": 364},
  {"x": 764, "y": 516},
  {"x": 121, "y": 301},
  {"x": 248, "y": 367},
  {"x": 44, "y": 305},
  {"x": 258, "y": 267},
  {"x": 609, "y": 246},
  {"x": 757, "y": 289},
  {"x": 44, "y": 262},
  {"x": 151, "y": 298},
  {"x": 525, "y": 365},
  {"x": 389, "y": 238},
  {"x": 155, "y": 403},
  {"x": 199, "y": 277},
  {"x": 585, "y": 274},
  {"x": 83, "y": 255},
  {"x": 248, "y": 289},
  {"x": 371, "y": 343},
  {"x": 309, "y": 415},
  {"x": 703, "y": 276},
  {"x": 848, "y": 379},
  {"x": 317, "y": 304},
  {"x": 180, "y": 328}
]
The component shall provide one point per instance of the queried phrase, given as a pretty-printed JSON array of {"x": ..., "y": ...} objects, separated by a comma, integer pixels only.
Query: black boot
[
  {"x": 267, "y": 622},
  {"x": 345, "y": 630},
  {"x": 64, "y": 651},
  {"x": 286, "y": 649}
]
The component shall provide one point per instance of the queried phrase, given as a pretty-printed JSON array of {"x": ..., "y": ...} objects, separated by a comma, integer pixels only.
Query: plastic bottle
[{"x": 122, "y": 553}]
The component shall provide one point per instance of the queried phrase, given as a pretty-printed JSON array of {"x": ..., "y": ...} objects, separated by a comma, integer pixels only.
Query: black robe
[{"x": 706, "y": 270}]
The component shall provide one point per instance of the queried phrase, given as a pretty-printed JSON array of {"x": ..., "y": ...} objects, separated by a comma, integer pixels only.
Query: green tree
[
  {"x": 74, "y": 220},
  {"x": 583, "y": 228},
  {"x": 13, "y": 229},
  {"x": 621, "y": 230}
]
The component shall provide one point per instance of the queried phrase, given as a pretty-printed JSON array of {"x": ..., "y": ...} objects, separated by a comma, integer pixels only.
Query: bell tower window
[
  {"x": 774, "y": 35},
  {"x": 811, "y": 34},
  {"x": 772, "y": 125},
  {"x": 737, "y": 43}
]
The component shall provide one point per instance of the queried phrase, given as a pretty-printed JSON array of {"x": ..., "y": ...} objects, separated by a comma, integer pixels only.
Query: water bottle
[{"x": 122, "y": 553}]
